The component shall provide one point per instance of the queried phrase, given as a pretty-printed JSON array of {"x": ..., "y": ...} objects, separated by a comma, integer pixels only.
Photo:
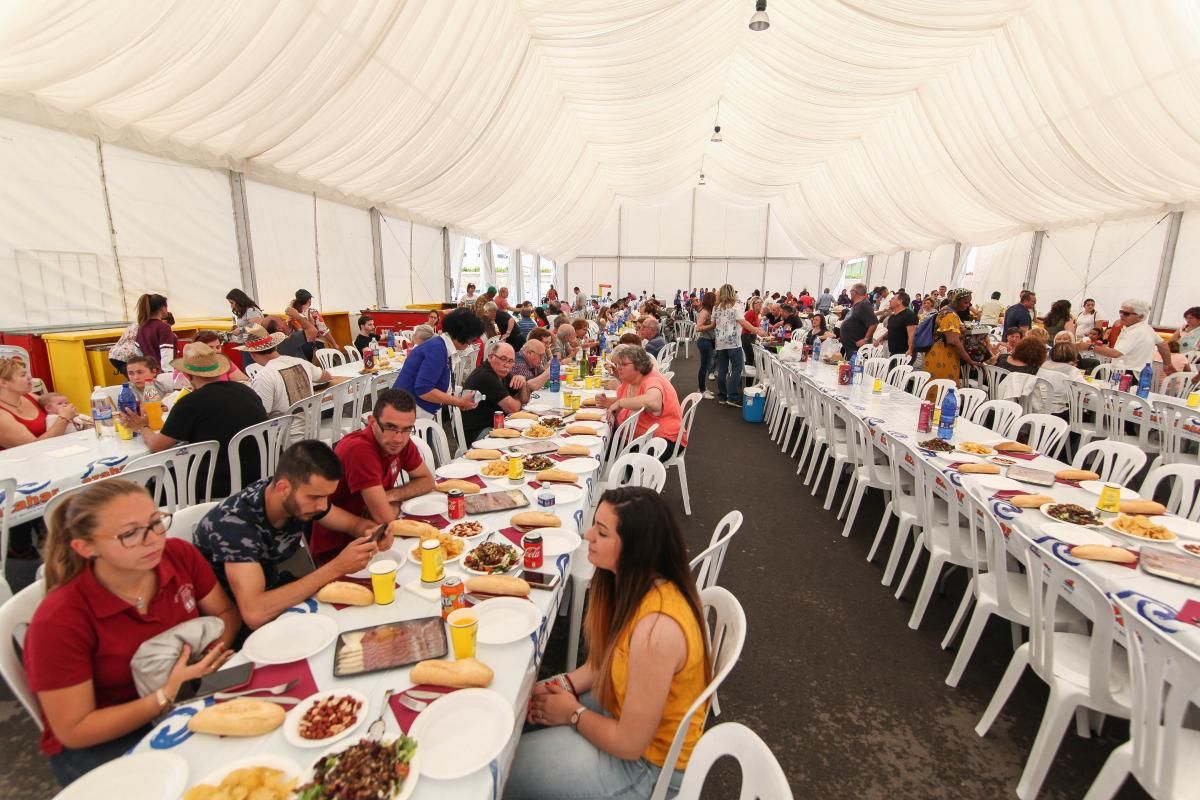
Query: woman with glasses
[{"x": 113, "y": 580}]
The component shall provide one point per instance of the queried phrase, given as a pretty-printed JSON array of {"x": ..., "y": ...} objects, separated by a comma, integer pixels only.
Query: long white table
[
  {"x": 893, "y": 413},
  {"x": 515, "y": 665}
]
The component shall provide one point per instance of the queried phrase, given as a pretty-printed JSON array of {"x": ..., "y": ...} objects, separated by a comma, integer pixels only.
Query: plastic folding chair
[
  {"x": 15, "y": 614},
  {"x": 270, "y": 437},
  {"x": 762, "y": 777},
  {"x": 1115, "y": 462},
  {"x": 329, "y": 358},
  {"x": 1047, "y": 433},
  {"x": 186, "y": 468}
]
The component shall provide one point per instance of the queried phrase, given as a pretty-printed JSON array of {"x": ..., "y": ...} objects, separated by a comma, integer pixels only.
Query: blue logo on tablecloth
[
  {"x": 173, "y": 731},
  {"x": 33, "y": 487},
  {"x": 102, "y": 464},
  {"x": 1156, "y": 612},
  {"x": 1005, "y": 510},
  {"x": 309, "y": 606}
]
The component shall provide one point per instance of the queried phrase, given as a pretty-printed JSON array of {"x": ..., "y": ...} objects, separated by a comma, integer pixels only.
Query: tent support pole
[
  {"x": 691, "y": 240},
  {"x": 377, "y": 258},
  {"x": 1165, "y": 264},
  {"x": 112, "y": 232},
  {"x": 317, "y": 248},
  {"x": 620, "y": 216},
  {"x": 904, "y": 271},
  {"x": 241, "y": 226},
  {"x": 766, "y": 249},
  {"x": 447, "y": 280},
  {"x": 1035, "y": 256}
]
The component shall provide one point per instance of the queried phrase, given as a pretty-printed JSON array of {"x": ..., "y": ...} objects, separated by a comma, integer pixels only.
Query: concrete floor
[{"x": 851, "y": 701}]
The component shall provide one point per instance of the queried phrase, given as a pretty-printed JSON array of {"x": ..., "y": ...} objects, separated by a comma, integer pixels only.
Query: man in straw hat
[
  {"x": 216, "y": 409},
  {"x": 281, "y": 380}
]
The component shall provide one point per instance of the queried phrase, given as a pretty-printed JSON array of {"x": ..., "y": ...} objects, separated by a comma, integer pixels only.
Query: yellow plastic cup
[
  {"x": 383, "y": 580},
  {"x": 464, "y": 625},
  {"x": 1193, "y": 400}
]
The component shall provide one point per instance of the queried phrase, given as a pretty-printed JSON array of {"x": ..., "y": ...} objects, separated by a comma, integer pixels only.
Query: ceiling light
[
  {"x": 716, "y": 137},
  {"x": 702, "y": 183},
  {"x": 760, "y": 22}
]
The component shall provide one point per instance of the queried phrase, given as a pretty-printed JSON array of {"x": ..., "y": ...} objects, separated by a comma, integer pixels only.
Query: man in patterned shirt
[{"x": 249, "y": 535}]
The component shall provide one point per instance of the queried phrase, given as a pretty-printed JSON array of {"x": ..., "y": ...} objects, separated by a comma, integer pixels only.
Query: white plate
[
  {"x": 457, "y": 470},
  {"x": 414, "y": 554},
  {"x": 414, "y": 766},
  {"x": 504, "y": 620},
  {"x": 1042, "y": 508},
  {"x": 488, "y": 443},
  {"x": 580, "y": 466},
  {"x": 966, "y": 458},
  {"x": 291, "y": 723},
  {"x": 518, "y": 424},
  {"x": 289, "y": 768},
  {"x": 290, "y": 637},
  {"x": 397, "y": 554},
  {"x": 564, "y": 493},
  {"x": 586, "y": 441},
  {"x": 538, "y": 408},
  {"x": 1185, "y": 528},
  {"x": 958, "y": 449},
  {"x": 1180, "y": 545},
  {"x": 1141, "y": 539},
  {"x": 427, "y": 505},
  {"x": 447, "y": 752},
  {"x": 556, "y": 541},
  {"x": 1095, "y": 486},
  {"x": 596, "y": 426},
  {"x": 142, "y": 776},
  {"x": 996, "y": 483},
  {"x": 1075, "y": 534},
  {"x": 500, "y": 540},
  {"x": 486, "y": 528}
]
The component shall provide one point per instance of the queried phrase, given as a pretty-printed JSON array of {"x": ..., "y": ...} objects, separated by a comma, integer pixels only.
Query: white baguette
[
  {"x": 346, "y": 593},
  {"x": 459, "y": 674},
  {"x": 240, "y": 717}
]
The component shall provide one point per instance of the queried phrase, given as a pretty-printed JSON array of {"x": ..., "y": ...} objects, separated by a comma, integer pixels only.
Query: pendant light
[{"x": 760, "y": 22}]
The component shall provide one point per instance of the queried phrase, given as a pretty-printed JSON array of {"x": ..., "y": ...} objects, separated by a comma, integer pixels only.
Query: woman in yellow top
[
  {"x": 607, "y": 735},
  {"x": 946, "y": 357}
]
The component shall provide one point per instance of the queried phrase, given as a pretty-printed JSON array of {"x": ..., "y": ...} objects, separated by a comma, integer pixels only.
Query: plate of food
[
  {"x": 494, "y": 469},
  {"x": 446, "y": 753},
  {"x": 1191, "y": 548},
  {"x": 492, "y": 558},
  {"x": 388, "y": 768},
  {"x": 427, "y": 505},
  {"x": 1183, "y": 527},
  {"x": 458, "y": 470},
  {"x": 580, "y": 466},
  {"x": 1071, "y": 513},
  {"x": 489, "y": 443},
  {"x": 290, "y": 637},
  {"x": 975, "y": 449},
  {"x": 452, "y": 548},
  {"x": 1135, "y": 526},
  {"x": 467, "y": 529},
  {"x": 1074, "y": 534},
  {"x": 539, "y": 431},
  {"x": 266, "y": 776},
  {"x": 1004, "y": 461},
  {"x": 325, "y": 717},
  {"x": 1095, "y": 486},
  {"x": 518, "y": 424},
  {"x": 537, "y": 463},
  {"x": 936, "y": 445},
  {"x": 556, "y": 423},
  {"x": 389, "y": 646}
]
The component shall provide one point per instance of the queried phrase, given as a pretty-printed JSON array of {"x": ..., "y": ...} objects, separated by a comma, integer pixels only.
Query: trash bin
[{"x": 754, "y": 404}]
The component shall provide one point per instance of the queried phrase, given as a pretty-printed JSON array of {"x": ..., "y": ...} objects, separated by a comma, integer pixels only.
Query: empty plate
[
  {"x": 556, "y": 541},
  {"x": 458, "y": 470},
  {"x": 488, "y": 443},
  {"x": 1095, "y": 486},
  {"x": 1183, "y": 528},
  {"x": 580, "y": 466},
  {"x": 445, "y": 752},
  {"x": 564, "y": 493},
  {"x": 427, "y": 505},
  {"x": 290, "y": 637},
  {"x": 994, "y": 482},
  {"x": 518, "y": 424},
  {"x": 586, "y": 441},
  {"x": 156, "y": 775},
  {"x": 1074, "y": 534},
  {"x": 503, "y": 620},
  {"x": 397, "y": 554}
]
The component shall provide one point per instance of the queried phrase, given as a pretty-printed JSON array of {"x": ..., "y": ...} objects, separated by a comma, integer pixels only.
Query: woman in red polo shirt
[{"x": 113, "y": 580}]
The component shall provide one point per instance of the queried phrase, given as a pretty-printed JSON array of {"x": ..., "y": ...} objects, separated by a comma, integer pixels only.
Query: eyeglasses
[
  {"x": 505, "y": 359},
  {"x": 392, "y": 430},
  {"x": 138, "y": 536},
  {"x": 1125, "y": 313}
]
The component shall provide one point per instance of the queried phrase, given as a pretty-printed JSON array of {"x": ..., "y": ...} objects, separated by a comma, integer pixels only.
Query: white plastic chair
[
  {"x": 902, "y": 504},
  {"x": 307, "y": 417},
  {"x": 251, "y": 370},
  {"x": 762, "y": 777},
  {"x": 1086, "y": 411},
  {"x": 1183, "y": 484},
  {"x": 460, "y": 435},
  {"x": 640, "y": 443},
  {"x": 898, "y": 375},
  {"x": 997, "y": 415},
  {"x": 329, "y": 358},
  {"x": 838, "y": 444},
  {"x": 1047, "y": 433},
  {"x": 153, "y": 478},
  {"x": 996, "y": 376},
  {"x": 185, "y": 520},
  {"x": 870, "y": 471},
  {"x": 1162, "y": 753},
  {"x": 969, "y": 400},
  {"x": 940, "y": 387},
  {"x": 1082, "y": 671},
  {"x": 14, "y": 614},
  {"x": 184, "y": 467},
  {"x": 1115, "y": 462},
  {"x": 352, "y": 353},
  {"x": 270, "y": 437},
  {"x": 706, "y": 566},
  {"x": 914, "y": 384},
  {"x": 726, "y": 637},
  {"x": 876, "y": 368},
  {"x": 1174, "y": 441},
  {"x": 1179, "y": 384},
  {"x": 900, "y": 359},
  {"x": 684, "y": 332},
  {"x": 687, "y": 411},
  {"x": 431, "y": 432},
  {"x": 8, "y": 488},
  {"x": 346, "y": 402},
  {"x": 1102, "y": 373}
]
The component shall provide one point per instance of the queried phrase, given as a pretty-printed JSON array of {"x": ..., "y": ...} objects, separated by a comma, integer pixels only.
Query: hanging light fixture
[
  {"x": 760, "y": 21},
  {"x": 716, "y": 137}
]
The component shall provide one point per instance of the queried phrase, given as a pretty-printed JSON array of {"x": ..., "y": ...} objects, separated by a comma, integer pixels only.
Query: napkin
[
  {"x": 436, "y": 520},
  {"x": 1008, "y": 494},
  {"x": 1190, "y": 612},
  {"x": 1022, "y": 456},
  {"x": 513, "y": 535},
  {"x": 418, "y": 588},
  {"x": 1066, "y": 482},
  {"x": 405, "y": 717},
  {"x": 269, "y": 675}
]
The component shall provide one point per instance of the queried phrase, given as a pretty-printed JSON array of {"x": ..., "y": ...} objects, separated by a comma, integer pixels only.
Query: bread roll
[
  {"x": 498, "y": 584},
  {"x": 588, "y": 402},
  {"x": 536, "y": 519},
  {"x": 459, "y": 674},
  {"x": 556, "y": 476},
  {"x": 1102, "y": 552},
  {"x": 1013, "y": 447},
  {"x": 574, "y": 450},
  {"x": 1076, "y": 475},
  {"x": 589, "y": 416},
  {"x": 482, "y": 454},
  {"x": 1031, "y": 500},
  {"x": 239, "y": 717},
  {"x": 524, "y": 415},
  {"x": 505, "y": 433},
  {"x": 979, "y": 469},
  {"x": 580, "y": 430},
  {"x": 346, "y": 593},
  {"x": 1148, "y": 507},
  {"x": 463, "y": 486},
  {"x": 411, "y": 528}
]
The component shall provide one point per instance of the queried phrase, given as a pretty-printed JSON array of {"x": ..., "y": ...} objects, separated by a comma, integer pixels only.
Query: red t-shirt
[
  {"x": 363, "y": 465},
  {"x": 752, "y": 317},
  {"x": 82, "y": 631}
]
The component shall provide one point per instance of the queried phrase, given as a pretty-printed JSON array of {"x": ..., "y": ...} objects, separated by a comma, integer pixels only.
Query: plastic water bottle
[
  {"x": 128, "y": 403},
  {"x": 102, "y": 415},
  {"x": 392, "y": 339},
  {"x": 603, "y": 340},
  {"x": 1144, "y": 380},
  {"x": 854, "y": 371},
  {"x": 555, "y": 370},
  {"x": 949, "y": 412}
]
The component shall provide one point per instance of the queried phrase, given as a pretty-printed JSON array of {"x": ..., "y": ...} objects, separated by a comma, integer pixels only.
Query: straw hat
[
  {"x": 202, "y": 361},
  {"x": 258, "y": 340}
]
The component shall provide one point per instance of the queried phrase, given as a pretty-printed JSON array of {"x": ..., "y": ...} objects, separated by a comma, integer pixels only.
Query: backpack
[{"x": 923, "y": 336}]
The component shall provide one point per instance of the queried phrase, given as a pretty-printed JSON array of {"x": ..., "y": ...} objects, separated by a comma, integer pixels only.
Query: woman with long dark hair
[
  {"x": 302, "y": 303},
  {"x": 1059, "y": 318},
  {"x": 706, "y": 341},
  {"x": 648, "y": 661},
  {"x": 154, "y": 326},
  {"x": 245, "y": 310}
]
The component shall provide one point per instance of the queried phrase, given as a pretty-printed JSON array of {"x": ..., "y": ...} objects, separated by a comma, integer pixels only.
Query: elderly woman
[
  {"x": 640, "y": 386},
  {"x": 947, "y": 356},
  {"x": 422, "y": 333}
]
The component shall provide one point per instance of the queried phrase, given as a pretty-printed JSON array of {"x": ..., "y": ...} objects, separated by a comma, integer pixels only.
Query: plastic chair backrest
[
  {"x": 1115, "y": 462},
  {"x": 1082, "y": 399},
  {"x": 636, "y": 469},
  {"x": 153, "y": 477},
  {"x": 1002, "y": 412},
  {"x": 706, "y": 566},
  {"x": 996, "y": 376},
  {"x": 940, "y": 388},
  {"x": 1183, "y": 483},
  {"x": 1171, "y": 416},
  {"x": 876, "y": 368},
  {"x": 430, "y": 432},
  {"x": 1179, "y": 384},
  {"x": 623, "y": 435},
  {"x": 934, "y": 486},
  {"x": 352, "y": 353},
  {"x": 1047, "y": 433},
  {"x": 969, "y": 400},
  {"x": 639, "y": 443},
  {"x": 185, "y": 467},
  {"x": 898, "y": 375},
  {"x": 990, "y": 546},
  {"x": 762, "y": 777},
  {"x": 1103, "y": 372},
  {"x": 914, "y": 384},
  {"x": 8, "y": 495},
  {"x": 17, "y": 612},
  {"x": 252, "y": 370},
  {"x": 269, "y": 437},
  {"x": 345, "y": 396},
  {"x": 1127, "y": 412},
  {"x": 687, "y": 418},
  {"x": 185, "y": 520},
  {"x": 898, "y": 360},
  {"x": 307, "y": 413},
  {"x": 329, "y": 358}
]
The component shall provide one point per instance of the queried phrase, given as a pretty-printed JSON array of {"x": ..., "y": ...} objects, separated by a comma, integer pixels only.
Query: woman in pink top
[
  {"x": 23, "y": 420},
  {"x": 640, "y": 385}
]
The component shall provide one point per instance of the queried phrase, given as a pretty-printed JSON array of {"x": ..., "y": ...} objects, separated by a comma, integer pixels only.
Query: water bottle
[
  {"x": 949, "y": 412},
  {"x": 391, "y": 339},
  {"x": 102, "y": 415},
  {"x": 1115, "y": 380},
  {"x": 127, "y": 402},
  {"x": 853, "y": 368},
  {"x": 603, "y": 340},
  {"x": 1144, "y": 380},
  {"x": 856, "y": 372},
  {"x": 555, "y": 368}
]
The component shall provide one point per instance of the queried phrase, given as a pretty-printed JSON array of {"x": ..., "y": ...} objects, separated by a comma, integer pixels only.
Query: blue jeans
[
  {"x": 705, "y": 346},
  {"x": 730, "y": 361},
  {"x": 559, "y": 764}
]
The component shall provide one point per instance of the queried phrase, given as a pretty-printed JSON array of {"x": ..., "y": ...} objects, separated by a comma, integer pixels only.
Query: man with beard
[{"x": 248, "y": 536}]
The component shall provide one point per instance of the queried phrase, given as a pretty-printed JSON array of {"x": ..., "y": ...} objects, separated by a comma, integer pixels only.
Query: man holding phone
[{"x": 248, "y": 536}]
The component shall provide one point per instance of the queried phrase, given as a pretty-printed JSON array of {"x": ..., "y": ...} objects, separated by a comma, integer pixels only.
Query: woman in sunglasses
[{"x": 113, "y": 580}]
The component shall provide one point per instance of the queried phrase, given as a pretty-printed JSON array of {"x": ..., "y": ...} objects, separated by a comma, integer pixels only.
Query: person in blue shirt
[{"x": 426, "y": 371}]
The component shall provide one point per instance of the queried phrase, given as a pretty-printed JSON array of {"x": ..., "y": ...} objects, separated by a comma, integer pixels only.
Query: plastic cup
[
  {"x": 464, "y": 625},
  {"x": 383, "y": 580}
]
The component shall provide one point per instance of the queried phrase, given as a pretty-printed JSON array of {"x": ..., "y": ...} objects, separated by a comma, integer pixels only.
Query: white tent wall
[
  {"x": 888, "y": 271},
  {"x": 727, "y": 228},
  {"x": 928, "y": 269},
  {"x": 709, "y": 274},
  {"x": 283, "y": 237},
  {"x": 428, "y": 265},
  {"x": 746, "y": 275},
  {"x": 655, "y": 230},
  {"x": 395, "y": 241},
  {"x": 345, "y": 255},
  {"x": 779, "y": 243},
  {"x": 670, "y": 276},
  {"x": 998, "y": 267},
  {"x": 1183, "y": 289},
  {"x": 637, "y": 276},
  {"x": 55, "y": 251}
]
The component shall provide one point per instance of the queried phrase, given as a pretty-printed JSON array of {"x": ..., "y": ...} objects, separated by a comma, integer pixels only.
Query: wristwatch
[{"x": 576, "y": 715}]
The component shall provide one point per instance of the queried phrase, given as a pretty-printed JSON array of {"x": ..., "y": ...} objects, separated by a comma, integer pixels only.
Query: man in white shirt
[
  {"x": 1136, "y": 342},
  {"x": 992, "y": 311},
  {"x": 280, "y": 380},
  {"x": 469, "y": 298}
]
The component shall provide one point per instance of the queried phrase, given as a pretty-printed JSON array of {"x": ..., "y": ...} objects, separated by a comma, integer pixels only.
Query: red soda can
[
  {"x": 456, "y": 504},
  {"x": 924, "y": 417},
  {"x": 454, "y": 595},
  {"x": 844, "y": 373},
  {"x": 804, "y": 352},
  {"x": 592, "y": 361},
  {"x": 1126, "y": 381},
  {"x": 498, "y": 419},
  {"x": 368, "y": 358},
  {"x": 532, "y": 542}
]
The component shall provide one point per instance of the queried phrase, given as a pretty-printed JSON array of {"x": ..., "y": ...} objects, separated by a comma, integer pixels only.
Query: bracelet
[{"x": 570, "y": 684}]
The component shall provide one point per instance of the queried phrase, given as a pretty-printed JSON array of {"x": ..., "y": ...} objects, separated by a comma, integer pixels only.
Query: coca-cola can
[
  {"x": 844, "y": 373},
  {"x": 1126, "y": 381},
  {"x": 456, "y": 504},
  {"x": 532, "y": 542},
  {"x": 924, "y": 417},
  {"x": 498, "y": 419}
]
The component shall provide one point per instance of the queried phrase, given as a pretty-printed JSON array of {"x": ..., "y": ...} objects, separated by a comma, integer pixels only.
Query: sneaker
[{"x": 708, "y": 395}]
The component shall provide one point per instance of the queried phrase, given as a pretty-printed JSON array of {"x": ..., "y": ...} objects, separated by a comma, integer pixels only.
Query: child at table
[{"x": 54, "y": 402}]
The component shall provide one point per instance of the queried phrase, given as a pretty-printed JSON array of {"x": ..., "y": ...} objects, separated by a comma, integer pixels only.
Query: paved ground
[{"x": 852, "y": 702}]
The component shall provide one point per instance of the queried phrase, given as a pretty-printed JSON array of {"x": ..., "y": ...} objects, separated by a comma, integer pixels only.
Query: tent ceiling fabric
[{"x": 871, "y": 125}]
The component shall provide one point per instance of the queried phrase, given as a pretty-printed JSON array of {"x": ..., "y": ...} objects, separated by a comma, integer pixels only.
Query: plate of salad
[{"x": 387, "y": 768}]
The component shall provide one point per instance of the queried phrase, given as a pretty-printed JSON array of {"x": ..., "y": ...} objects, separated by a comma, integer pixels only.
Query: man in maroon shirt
[{"x": 372, "y": 462}]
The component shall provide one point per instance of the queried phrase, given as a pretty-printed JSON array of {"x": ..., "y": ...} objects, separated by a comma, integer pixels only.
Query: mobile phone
[
  {"x": 380, "y": 534},
  {"x": 221, "y": 681},
  {"x": 540, "y": 580}
]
